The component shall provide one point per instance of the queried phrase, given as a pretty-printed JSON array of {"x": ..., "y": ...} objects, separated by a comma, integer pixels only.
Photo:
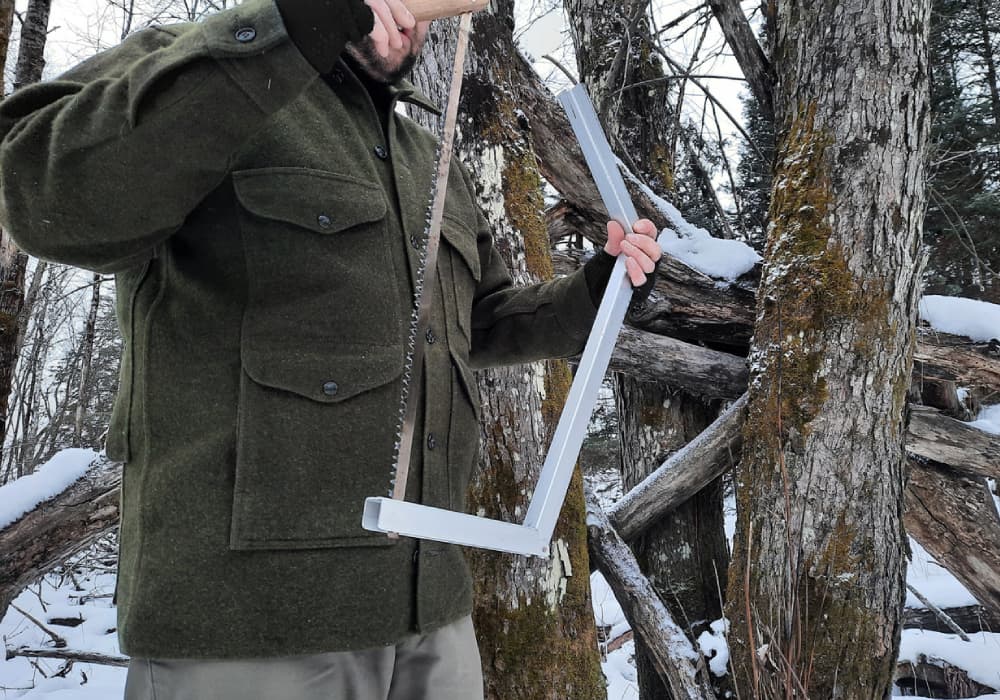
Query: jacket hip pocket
[{"x": 315, "y": 438}]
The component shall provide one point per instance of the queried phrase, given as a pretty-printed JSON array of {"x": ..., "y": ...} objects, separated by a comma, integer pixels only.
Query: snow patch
[
  {"x": 694, "y": 246},
  {"x": 714, "y": 646},
  {"x": 49, "y": 480},
  {"x": 978, "y": 320},
  {"x": 934, "y": 582},
  {"x": 988, "y": 420},
  {"x": 978, "y": 657}
]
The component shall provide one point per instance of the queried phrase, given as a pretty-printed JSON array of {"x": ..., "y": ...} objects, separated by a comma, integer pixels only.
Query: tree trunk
[
  {"x": 684, "y": 552},
  {"x": 533, "y": 617},
  {"x": 991, "y": 68},
  {"x": 817, "y": 581},
  {"x": 13, "y": 263},
  {"x": 86, "y": 359},
  {"x": 31, "y": 53},
  {"x": 748, "y": 52}
]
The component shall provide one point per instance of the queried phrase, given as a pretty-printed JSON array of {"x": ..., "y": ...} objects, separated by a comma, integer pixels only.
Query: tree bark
[
  {"x": 815, "y": 595},
  {"x": 34, "y": 34},
  {"x": 14, "y": 263},
  {"x": 533, "y": 617},
  {"x": 57, "y": 529}
]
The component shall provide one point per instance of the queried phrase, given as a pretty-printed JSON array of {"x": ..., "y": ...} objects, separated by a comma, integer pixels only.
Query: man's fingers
[
  {"x": 384, "y": 21},
  {"x": 647, "y": 245},
  {"x": 645, "y": 227},
  {"x": 635, "y": 272},
  {"x": 401, "y": 14},
  {"x": 640, "y": 256},
  {"x": 616, "y": 234}
]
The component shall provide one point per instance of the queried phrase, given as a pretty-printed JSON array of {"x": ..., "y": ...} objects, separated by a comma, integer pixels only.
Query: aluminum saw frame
[{"x": 532, "y": 537}]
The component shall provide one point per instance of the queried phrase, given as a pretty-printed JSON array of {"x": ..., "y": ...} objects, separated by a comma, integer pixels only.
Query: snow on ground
[
  {"x": 58, "y": 596},
  {"x": 978, "y": 320},
  {"x": 979, "y": 657},
  {"x": 934, "y": 582},
  {"x": 52, "y": 478}
]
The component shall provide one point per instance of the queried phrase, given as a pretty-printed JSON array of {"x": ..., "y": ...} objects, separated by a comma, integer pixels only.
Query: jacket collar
[{"x": 405, "y": 91}]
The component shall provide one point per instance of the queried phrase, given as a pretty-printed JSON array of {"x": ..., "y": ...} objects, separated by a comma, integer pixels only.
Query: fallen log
[
  {"x": 971, "y": 618},
  {"x": 936, "y": 437},
  {"x": 937, "y": 679},
  {"x": 671, "y": 651},
  {"x": 692, "y": 307},
  {"x": 948, "y": 508},
  {"x": 698, "y": 370},
  {"x": 58, "y": 528},
  {"x": 951, "y": 513},
  {"x": 683, "y": 475}
]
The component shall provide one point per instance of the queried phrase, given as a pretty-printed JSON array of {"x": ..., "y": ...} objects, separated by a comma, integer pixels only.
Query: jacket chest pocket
[
  {"x": 463, "y": 269},
  {"x": 321, "y": 358},
  {"x": 317, "y": 256},
  {"x": 315, "y": 438}
]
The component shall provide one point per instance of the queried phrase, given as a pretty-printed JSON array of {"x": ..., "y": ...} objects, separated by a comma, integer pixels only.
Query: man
[{"x": 262, "y": 206}]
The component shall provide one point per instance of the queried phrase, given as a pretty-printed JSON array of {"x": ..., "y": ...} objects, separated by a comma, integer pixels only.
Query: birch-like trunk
[
  {"x": 533, "y": 617},
  {"x": 816, "y": 584}
]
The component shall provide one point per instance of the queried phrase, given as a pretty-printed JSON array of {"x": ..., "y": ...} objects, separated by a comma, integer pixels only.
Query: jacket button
[
  {"x": 381, "y": 152},
  {"x": 431, "y": 441},
  {"x": 324, "y": 221},
  {"x": 431, "y": 338},
  {"x": 331, "y": 388},
  {"x": 246, "y": 35}
]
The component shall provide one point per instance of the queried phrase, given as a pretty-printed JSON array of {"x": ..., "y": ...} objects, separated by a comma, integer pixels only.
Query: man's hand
[
  {"x": 640, "y": 247},
  {"x": 390, "y": 15}
]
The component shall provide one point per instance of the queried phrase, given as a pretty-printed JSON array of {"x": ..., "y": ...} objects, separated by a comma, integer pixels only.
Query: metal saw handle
[{"x": 436, "y": 9}]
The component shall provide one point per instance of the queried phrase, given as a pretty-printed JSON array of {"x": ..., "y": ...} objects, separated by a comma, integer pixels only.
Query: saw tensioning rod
[{"x": 533, "y": 536}]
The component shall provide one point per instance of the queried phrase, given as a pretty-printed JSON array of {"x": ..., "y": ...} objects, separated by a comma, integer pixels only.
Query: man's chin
[{"x": 381, "y": 69}]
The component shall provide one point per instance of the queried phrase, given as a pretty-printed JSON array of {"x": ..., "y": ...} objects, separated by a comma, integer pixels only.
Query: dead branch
[
  {"x": 86, "y": 657},
  {"x": 669, "y": 647}
]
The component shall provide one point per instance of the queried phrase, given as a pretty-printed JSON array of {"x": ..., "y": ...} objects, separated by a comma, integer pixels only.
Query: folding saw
[{"x": 395, "y": 516}]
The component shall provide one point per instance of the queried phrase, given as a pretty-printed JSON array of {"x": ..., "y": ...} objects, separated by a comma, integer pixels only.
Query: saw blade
[{"x": 426, "y": 275}]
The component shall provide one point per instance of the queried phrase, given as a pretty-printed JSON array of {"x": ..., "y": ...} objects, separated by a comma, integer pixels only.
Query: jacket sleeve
[
  {"x": 102, "y": 164},
  {"x": 512, "y": 325}
]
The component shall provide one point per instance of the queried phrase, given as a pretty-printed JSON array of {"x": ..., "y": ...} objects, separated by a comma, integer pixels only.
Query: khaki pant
[{"x": 443, "y": 665}]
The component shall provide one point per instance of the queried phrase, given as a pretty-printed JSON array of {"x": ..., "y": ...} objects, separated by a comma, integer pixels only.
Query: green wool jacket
[{"x": 264, "y": 233}]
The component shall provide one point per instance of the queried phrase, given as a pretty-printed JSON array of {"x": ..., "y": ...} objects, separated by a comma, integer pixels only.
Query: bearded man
[{"x": 262, "y": 205}]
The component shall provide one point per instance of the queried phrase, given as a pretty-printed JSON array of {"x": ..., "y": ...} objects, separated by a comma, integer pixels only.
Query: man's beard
[{"x": 376, "y": 66}]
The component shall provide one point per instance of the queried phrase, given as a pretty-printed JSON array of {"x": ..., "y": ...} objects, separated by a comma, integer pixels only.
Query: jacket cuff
[
  {"x": 578, "y": 309},
  {"x": 321, "y": 28},
  {"x": 597, "y": 271}
]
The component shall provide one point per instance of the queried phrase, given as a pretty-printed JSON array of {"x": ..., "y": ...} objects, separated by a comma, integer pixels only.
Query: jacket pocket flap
[
  {"x": 463, "y": 240},
  {"x": 326, "y": 377},
  {"x": 320, "y": 201}
]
